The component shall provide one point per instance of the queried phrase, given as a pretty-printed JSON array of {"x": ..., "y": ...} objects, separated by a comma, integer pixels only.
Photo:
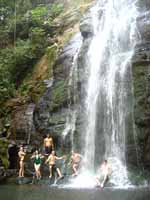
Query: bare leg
[
  {"x": 74, "y": 167},
  {"x": 39, "y": 172},
  {"x": 97, "y": 181},
  {"x": 36, "y": 170},
  {"x": 104, "y": 180},
  {"x": 20, "y": 172},
  {"x": 50, "y": 171},
  {"x": 22, "y": 169},
  {"x": 59, "y": 172}
]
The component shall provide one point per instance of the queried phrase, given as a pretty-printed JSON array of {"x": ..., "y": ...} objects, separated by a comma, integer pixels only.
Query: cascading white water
[
  {"x": 71, "y": 118},
  {"x": 108, "y": 84}
]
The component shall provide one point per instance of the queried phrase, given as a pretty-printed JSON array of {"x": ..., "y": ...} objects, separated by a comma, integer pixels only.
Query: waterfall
[
  {"x": 108, "y": 100},
  {"x": 71, "y": 117}
]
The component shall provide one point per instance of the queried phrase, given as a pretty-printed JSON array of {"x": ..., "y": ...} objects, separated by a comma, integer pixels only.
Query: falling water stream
[
  {"x": 71, "y": 118},
  {"x": 108, "y": 100}
]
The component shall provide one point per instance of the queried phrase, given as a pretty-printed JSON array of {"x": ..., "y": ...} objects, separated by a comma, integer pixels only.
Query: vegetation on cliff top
[{"x": 27, "y": 29}]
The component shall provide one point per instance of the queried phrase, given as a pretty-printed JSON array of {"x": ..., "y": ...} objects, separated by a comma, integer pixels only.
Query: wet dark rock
[
  {"x": 143, "y": 23},
  {"x": 22, "y": 122},
  {"x": 2, "y": 174},
  {"x": 141, "y": 82},
  {"x": 86, "y": 26},
  {"x": 13, "y": 155},
  {"x": 51, "y": 111},
  {"x": 143, "y": 5},
  {"x": 22, "y": 181}
]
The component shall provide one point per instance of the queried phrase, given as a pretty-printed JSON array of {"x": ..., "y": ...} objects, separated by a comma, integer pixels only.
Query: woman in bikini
[{"x": 21, "y": 155}]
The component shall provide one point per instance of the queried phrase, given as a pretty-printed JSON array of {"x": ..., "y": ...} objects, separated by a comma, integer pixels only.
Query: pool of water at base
[{"x": 42, "y": 192}]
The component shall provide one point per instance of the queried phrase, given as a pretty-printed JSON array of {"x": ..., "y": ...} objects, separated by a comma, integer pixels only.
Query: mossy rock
[
  {"x": 3, "y": 152},
  {"x": 51, "y": 53},
  {"x": 59, "y": 94}
]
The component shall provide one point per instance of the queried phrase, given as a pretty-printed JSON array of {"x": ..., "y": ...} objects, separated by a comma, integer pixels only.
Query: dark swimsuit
[
  {"x": 37, "y": 161},
  {"x": 48, "y": 150}
]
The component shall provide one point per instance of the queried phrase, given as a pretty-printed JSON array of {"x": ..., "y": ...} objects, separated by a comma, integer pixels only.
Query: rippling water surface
[{"x": 38, "y": 192}]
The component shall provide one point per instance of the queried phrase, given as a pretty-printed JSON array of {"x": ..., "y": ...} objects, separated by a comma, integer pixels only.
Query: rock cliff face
[
  {"x": 141, "y": 82},
  {"x": 45, "y": 111},
  {"x": 51, "y": 111}
]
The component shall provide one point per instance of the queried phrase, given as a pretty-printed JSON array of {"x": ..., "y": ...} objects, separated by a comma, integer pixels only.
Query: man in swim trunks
[
  {"x": 37, "y": 163},
  {"x": 21, "y": 155},
  {"x": 105, "y": 172},
  {"x": 48, "y": 144},
  {"x": 75, "y": 162},
  {"x": 51, "y": 160}
]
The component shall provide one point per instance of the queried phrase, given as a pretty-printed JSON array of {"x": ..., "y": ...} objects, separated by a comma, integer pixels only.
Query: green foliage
[
  {"x": 4, "y": 39},
  {"x": 14, "y": 62},
  {"x": 6, "y": 85},
  {"x": 24, "y": 58},
  {"x": 56, "y": 9},
  {"x": 37, "y": 34},
  {"x": 45, "y": 14},
  {"x": 38, "y": 39},
  {"x": 39, "y": 14},
  {"x": 51, "y": 53},
  {"x": 23, "y": 40},
  {"x": 24, "y": 89},
  {"x": 7, "y": 88}
]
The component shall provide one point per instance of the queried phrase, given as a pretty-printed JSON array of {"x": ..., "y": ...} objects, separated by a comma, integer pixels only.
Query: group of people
[{"x": 50, "y": 158}]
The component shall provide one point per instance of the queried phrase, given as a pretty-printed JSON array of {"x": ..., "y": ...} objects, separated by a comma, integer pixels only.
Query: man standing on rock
[{"x": 48, "y": 145}]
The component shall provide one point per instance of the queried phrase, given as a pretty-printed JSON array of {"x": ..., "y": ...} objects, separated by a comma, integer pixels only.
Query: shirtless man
[
  {"x": 105, "y": 171},
  {"x": 51, "y": 160},
  {"x": 75, "y": 162},
  {"x": 48, "y": 144},
  {"x": 21, "y": 155}
]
